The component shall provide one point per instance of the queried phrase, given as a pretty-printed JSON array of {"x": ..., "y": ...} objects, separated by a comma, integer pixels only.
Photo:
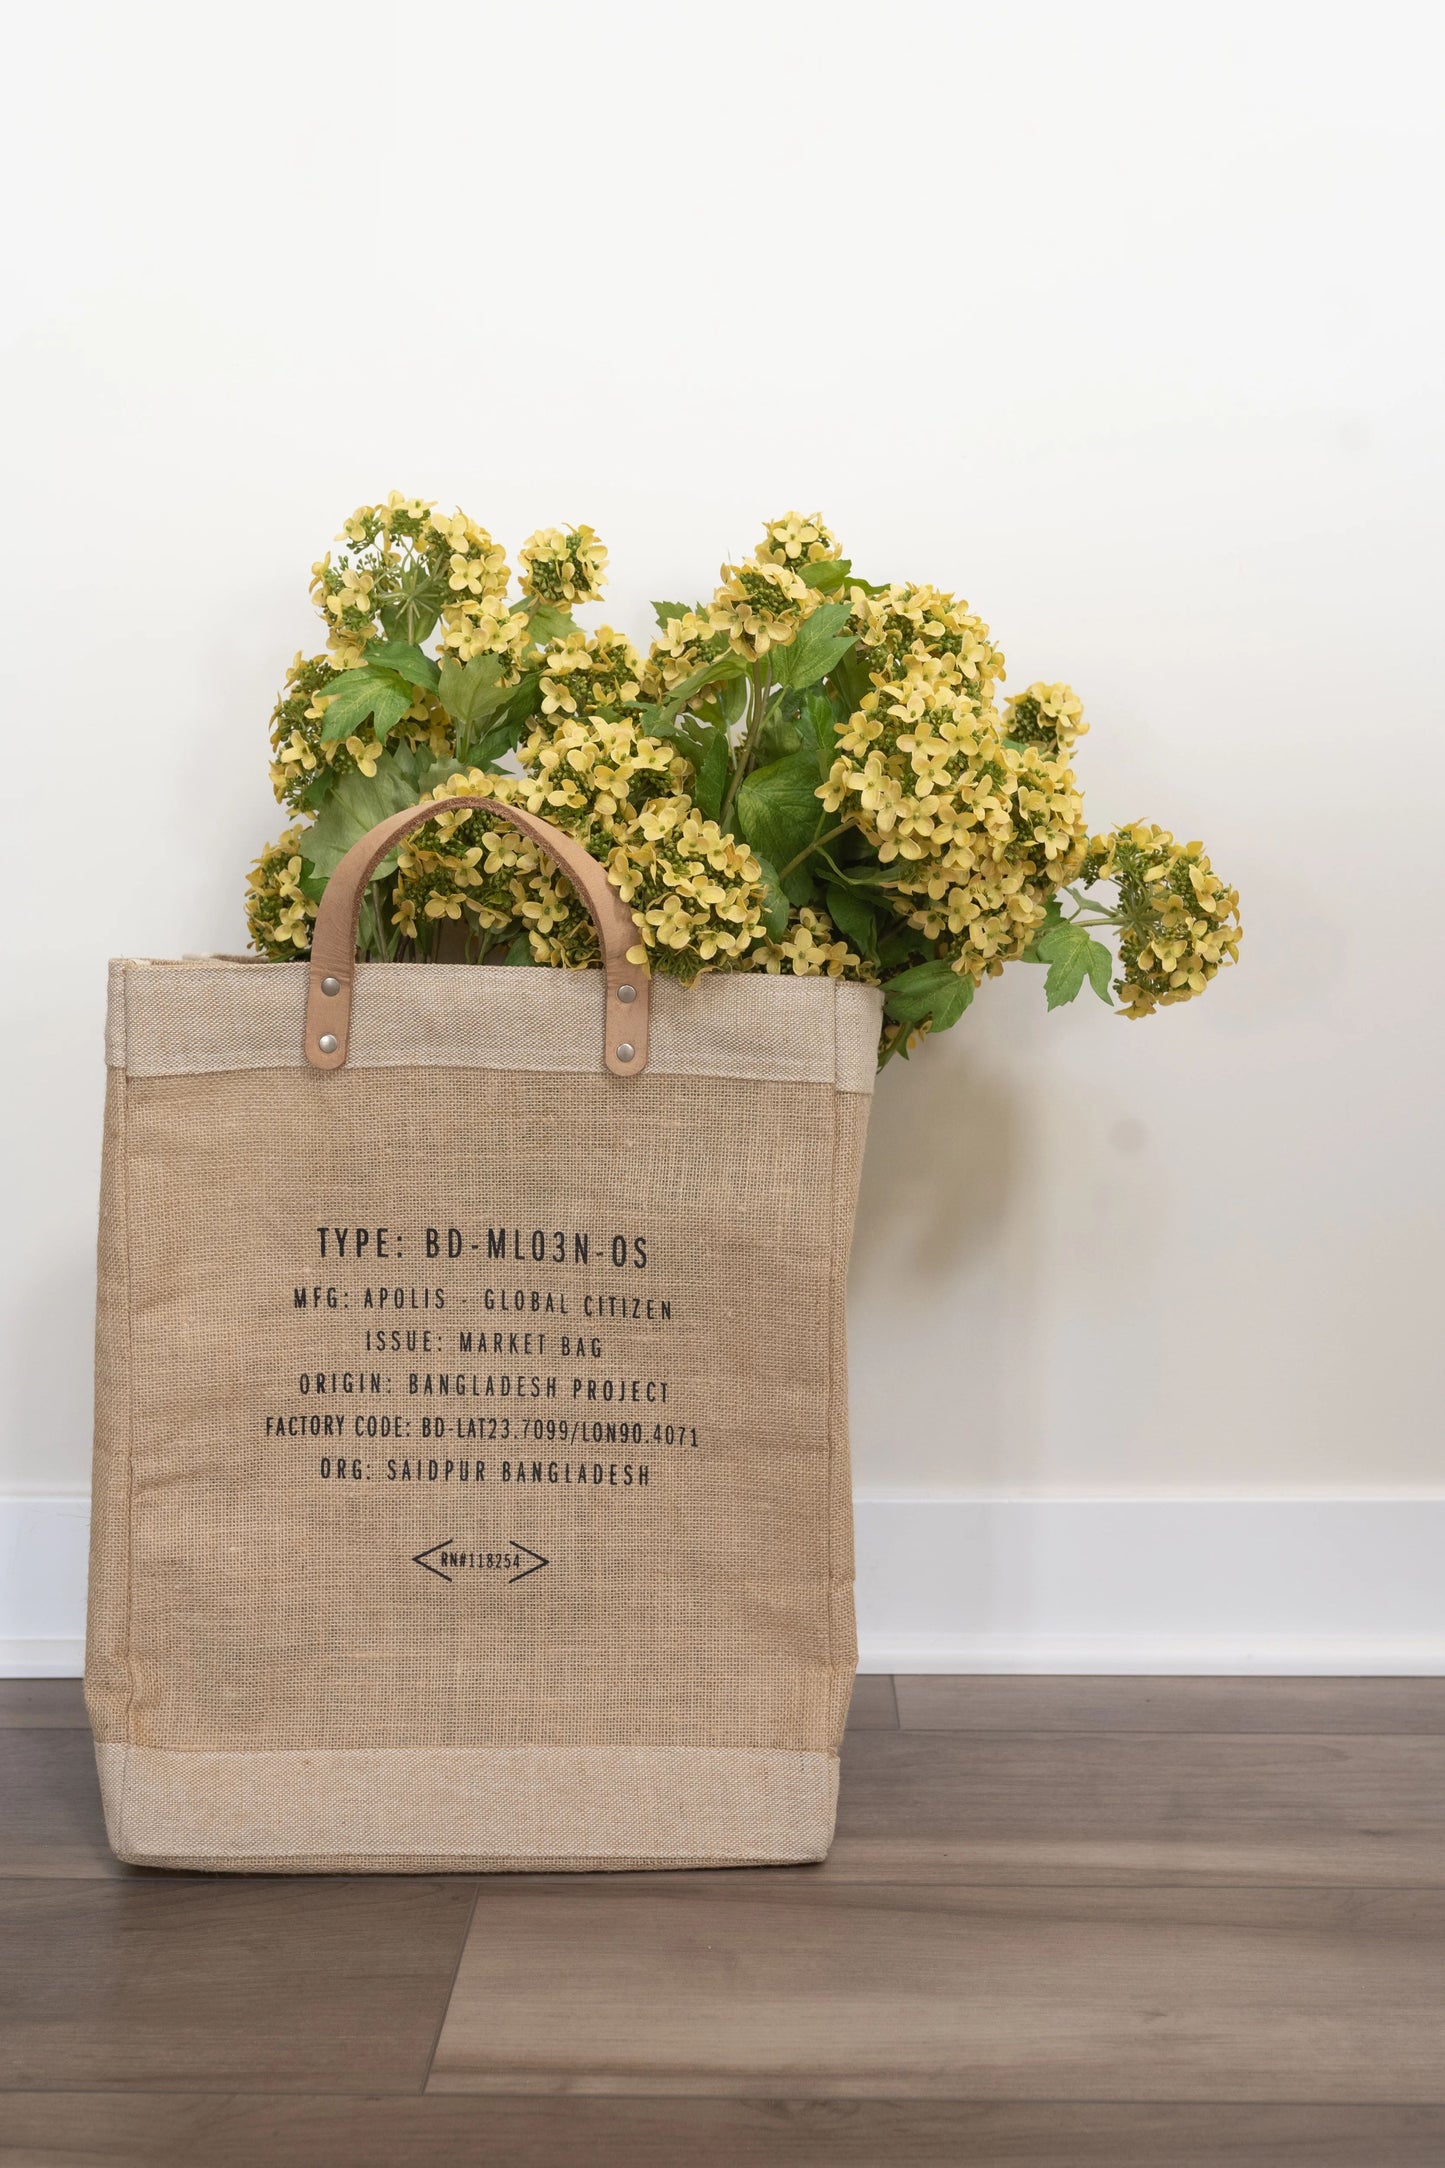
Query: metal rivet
[
  {"x": 327, "y": 1042},
  {"x": 331, "y": 986},
  {"x": 625, "y": 1052},
  {"x": 627, "y": 993}
]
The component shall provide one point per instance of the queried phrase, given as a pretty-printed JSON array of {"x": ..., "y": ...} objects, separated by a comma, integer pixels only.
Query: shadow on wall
[
  {"x": 1016, "y": 1218},
  {"x": 941, "y": 1172},
  {"x": 943, "y": 1292}
]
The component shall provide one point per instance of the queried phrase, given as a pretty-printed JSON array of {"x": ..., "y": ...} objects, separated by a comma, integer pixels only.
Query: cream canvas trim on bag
[
  {"x": 470, "y": 1807},
  {"x": 211, "y": 1014}
]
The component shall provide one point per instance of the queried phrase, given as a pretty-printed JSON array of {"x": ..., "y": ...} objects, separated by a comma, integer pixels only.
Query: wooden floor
[{"x": 1067, "y": 1922}]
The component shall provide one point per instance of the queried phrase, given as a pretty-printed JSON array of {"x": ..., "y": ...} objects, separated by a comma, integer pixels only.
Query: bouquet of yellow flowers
[{"x": 809, "y": 773}]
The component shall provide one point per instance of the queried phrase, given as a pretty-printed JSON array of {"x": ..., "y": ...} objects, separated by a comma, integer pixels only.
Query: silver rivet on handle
[
  {"x": 627, "y": 993},
  {"x": 331, "y": 986},
  {"x": 328, "y": 1042},
  {"x": 626, "y": 1051}
]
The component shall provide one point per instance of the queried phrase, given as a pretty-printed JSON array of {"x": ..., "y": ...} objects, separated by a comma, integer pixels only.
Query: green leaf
[
  {"x": 778, "y": 809},
  {"x": 776, "y": 908},
  {"x": 356, "y": 805},
  {"x": 817, "y": 649},
  {"x": 521, "y": 704},
  {"x": 706, "y": 745},
  {"x": 519, "y": 950},
  {"x": 546, "y": 622},
  {"x": 1053, "y": 916},
  {"x": 665, "y": 612},
  {"x": 826, "y": 578},
  {"x": 850, "y": 683},
  {"x": 494, "y": 744},
  {"x": 388, "y": 708},
  {"x": 1065, "y": 977},
  {"x": 780, "y": 732},
  {"x": 895, "y": 949},
  {"x": 822, "y": 726},
  {"x": 732, "y": 697},
  {"x": 932, "y": 993},
  {"x": 407, "y": 662},
  {"x": 710, "y": 775},
  {"x": 362, "y": 694},
  {"x": 724, "y": 705},
  {"x": 1101, "y": 972},
  {"x": 853, "y": 918},
  {"x": 471, "y": 691},
  {"x": 716, "y": 672},
  {"x": 1072, "y": 956}
]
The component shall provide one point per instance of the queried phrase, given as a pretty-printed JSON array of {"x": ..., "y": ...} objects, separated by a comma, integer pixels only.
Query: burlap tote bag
[{"x": 471, "y": 1468}]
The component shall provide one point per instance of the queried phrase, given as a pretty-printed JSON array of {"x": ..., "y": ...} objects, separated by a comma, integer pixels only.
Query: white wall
[{"x": 1124, "y": 321}]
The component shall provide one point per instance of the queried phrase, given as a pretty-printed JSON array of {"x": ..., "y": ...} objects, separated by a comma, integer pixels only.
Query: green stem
[
  {"x": 752, "y": 729},
  {"x": 847, "y": 880},
  {"x": 816, "y": 845},
  {"x": 378, "y": 931}
]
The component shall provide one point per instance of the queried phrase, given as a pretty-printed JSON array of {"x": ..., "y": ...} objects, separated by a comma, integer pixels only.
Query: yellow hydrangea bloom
[
  {"x": 982, "y": 832},
  {"x": 279, "y": 913},
  {"x": 681, "y": 649},
  {"x": 761, "y": 606},
  {"x": 563, "y": 565},
  {"x": 601, "y": 672},
  {"x": 1049, "y": 716},
  {"x": 811, "y": 949},
  {"x": 795, "y": 540},
  {"x": 1180, "y": 924}
]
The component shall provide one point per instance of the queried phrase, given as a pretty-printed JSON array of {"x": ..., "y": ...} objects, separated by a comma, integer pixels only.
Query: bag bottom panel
[{"x": 542, "y": 1809}]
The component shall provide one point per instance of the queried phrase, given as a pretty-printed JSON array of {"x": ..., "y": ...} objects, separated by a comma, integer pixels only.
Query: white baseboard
[
  {"x": 1269, "y": 1586},
  {"x": 43, "y": 1550},
  {"x": 1237, "y": 1585}
]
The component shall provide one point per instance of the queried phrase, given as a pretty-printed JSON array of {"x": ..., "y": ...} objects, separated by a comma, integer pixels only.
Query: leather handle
[{"x": 333, "y": 940}]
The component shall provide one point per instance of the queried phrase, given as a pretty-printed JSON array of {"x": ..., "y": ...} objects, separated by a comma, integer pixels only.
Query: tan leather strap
[{"x": 333, "y": 941}]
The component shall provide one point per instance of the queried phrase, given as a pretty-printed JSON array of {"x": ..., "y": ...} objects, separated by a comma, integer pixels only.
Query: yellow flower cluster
[
  {"x": 475, "y": 618},
  {"x": 682, "y": 647},
  {"x": 406, "y": 568},
  {"x": 761, "y": 605},
  {"x": 1049, "y": 716},
  {"x": 455, "y": 870},
  {"x": 405, "y": 558},
  {"x": 278, "y": 912},
  {"x": 795, "y": 540},
  {"x": 297, "y": 748},
  {"x": 593, "y": 766},
  {"x": 811, "y": 949},
  {"x": 585, "y": 674},
  {"x": 982, "y": 832},
  {"x": 902, "y": 625},
  {"x": 563, "y": 566},
  {"x": 694, "y": 890},
  {"x": 1179, "y": 924}
]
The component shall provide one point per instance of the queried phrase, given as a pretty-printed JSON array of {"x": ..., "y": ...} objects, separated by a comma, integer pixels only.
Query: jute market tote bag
[{"x": 471, "y": 1468}]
